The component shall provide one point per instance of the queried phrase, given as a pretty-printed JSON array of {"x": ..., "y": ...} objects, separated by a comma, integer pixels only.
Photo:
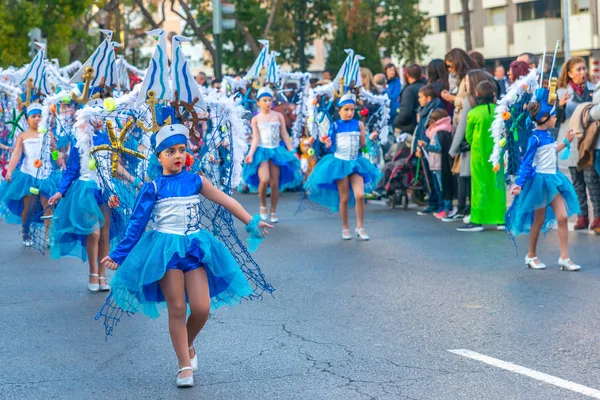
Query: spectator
[
  {"x": 394, "y": 87},
  {"x": 313, "y": 82},
  {"x": 530, "y": 58},
  {"x": 216, "y": 84},
  {"x": 574, "y": 89},
  {"x": 500, "y": 76},
  {"x": 201, "y": 79},
  {"x": 327, "y": 76},
  {"x": 458, "y": 64},
  {"x": 367, "y": 81},
  {"x": 406, "y": 119},
  {"x": 438, "y": 79},
  {"x": 381, "y": 82},
  {"x": 478, "y": 58},
  {"x": 517, "y": 69}
]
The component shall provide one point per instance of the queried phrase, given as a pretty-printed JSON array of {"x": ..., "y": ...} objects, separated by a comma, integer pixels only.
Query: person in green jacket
[{"x": 488, "y": 193}]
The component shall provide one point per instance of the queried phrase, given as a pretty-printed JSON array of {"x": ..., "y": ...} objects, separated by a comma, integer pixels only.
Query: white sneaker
[
  {"x": 568, "y": 265},
  {"x": 361, "y": 234},
  {"x": 194, "y": 360},
  {"x": 500, "y": 227},
  {"x": 467, "y": 219},
  {"x": 185, "y": 382},
  {"x": 103, "y": 287},
  {"x": 534, "y": 263},
  {"x": 346, "y": 235},
  {"x": 93, "y": 287}
]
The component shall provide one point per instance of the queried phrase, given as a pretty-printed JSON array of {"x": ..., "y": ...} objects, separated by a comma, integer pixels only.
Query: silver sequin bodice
[{"x": 177, "y": 215}]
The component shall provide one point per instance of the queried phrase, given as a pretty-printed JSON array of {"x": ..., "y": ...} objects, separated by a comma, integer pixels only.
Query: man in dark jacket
[{"x": 406, "y": 120}]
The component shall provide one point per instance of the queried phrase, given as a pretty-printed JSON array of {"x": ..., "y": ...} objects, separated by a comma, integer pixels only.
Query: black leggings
[{"x": 464, "y": 191}]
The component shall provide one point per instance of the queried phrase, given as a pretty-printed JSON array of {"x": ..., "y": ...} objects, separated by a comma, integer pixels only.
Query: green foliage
[{"x": 56, "y": 18}]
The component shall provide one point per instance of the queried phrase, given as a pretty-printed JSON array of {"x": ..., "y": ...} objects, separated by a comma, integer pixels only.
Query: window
[
  {"x": 580, "y": 6},
  {"x": 497, "y": 16},
  {"x": 459, "y": 21},
  {"x": 538, "y": 9},
  {"x": 442, "y": 23},
  {"x": 437, "y": 24}
]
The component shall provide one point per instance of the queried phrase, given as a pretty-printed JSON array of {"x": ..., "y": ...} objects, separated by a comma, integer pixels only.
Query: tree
[
  {"x": 466, "y": 15},
  {"x": 57, "y": 19},
  {"x": 369, "y": 26}
]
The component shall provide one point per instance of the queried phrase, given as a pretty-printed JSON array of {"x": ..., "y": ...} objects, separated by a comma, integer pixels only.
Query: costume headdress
[{"x": 348, "y": 77}]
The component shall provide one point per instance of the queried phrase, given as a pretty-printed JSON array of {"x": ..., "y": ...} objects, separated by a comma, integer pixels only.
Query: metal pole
[
  {"x": 302, "y": 46},
  {"x": 217, "y": 31},
  {"x": 565, "y": 15}
]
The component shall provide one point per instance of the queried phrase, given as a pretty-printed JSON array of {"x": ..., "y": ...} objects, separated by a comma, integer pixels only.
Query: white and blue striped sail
[
  {"x": 355, "y": 78},
  {"x": 98, "y": 60},
  {"x": 260, "y": 62},
  {"x": 110, "y": 69},
  {"x": 45, "y": 85},
  {"x": 36, "y": 69},
  {"x": 123, "y": 82},
  {"x": 157, "y": 76},
  {"x": 345, "y": 70},
  {"x": 272, "y": 71},
  {"x": 182, "y": 79}
]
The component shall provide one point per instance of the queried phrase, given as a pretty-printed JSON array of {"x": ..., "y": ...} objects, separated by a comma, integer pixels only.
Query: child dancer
[
  {"x": 176, "y": 261},
  {"x": 16, "y": 194},
  {"x": 543, "y": 194},
  {"x": 339, "y": 179},
  {"x": 268, "y": 163}
]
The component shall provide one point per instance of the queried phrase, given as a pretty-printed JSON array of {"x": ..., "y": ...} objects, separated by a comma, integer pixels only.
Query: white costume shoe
[
  {"x": 263, "y": 215},
  {"x": 103, "y": 287},
  {"x": 274, "y": 218},
  {"x": 361, "y": 234},
  {"x": 194, "y": 360},
  {"x": 346, "y": 234},
  {"x": 568, "y": 265},
  {"x": 185, "y": 382},
  {"x": 93, "y": 287},
  {"x": 534, "y": 263}
]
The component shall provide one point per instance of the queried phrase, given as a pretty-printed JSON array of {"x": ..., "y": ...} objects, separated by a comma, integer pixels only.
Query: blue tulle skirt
[
  {"x": 135, "y": 285},
  {"x": 76, "y": 216},
  {"x": 538, "y": 192},
  {"x": 290, "y": 175},
  {"x": 12, "y": 193},
  {"x": 321, "y": 185}
]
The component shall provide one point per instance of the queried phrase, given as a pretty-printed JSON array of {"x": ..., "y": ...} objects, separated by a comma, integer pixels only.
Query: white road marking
[{"x": 540, "y": 376}]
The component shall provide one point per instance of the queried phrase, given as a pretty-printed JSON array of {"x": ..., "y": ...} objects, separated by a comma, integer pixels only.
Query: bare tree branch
[
  {"x": 148, "y": 15},
  {"x": 271, "y": 18},
  {"x": 251, "y": 41},
  {"x": 191, "y": 22}
]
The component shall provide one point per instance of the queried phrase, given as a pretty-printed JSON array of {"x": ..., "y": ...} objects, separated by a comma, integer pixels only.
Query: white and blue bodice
[
  {"x": 173, "y": 200},
  {"x": 540, "y": 157},
  {"x": 270, "y": 134},
  {"x": 346, "y": 139},
  {"x": 32, "y": 149},
  {"x": 78, "y": 163}
]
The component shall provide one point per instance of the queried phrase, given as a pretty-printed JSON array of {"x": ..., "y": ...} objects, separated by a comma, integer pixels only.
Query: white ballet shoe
[
  {"x": 568, "y": 265},
  {"x": 194, "y": 360},
  {"x": 534, "y": 263},
  {"x": 263, "y": 215},
  {"x": 185, "y": 382},
  {"x": 274, "y": 218},
  {"x": 360, "y": 232},
  {"x": 103, "y": 287},
  {"x": 346, "y": 235},
  {"x": 93, "y": 287}
]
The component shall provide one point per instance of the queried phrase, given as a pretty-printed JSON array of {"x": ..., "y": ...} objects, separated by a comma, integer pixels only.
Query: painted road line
[{"x": 540, "y": 376}]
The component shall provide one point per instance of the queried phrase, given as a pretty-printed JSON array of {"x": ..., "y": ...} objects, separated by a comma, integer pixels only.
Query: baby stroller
[{"x": 406, "y": 178}]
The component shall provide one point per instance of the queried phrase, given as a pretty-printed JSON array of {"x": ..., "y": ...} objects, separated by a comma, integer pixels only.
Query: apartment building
[{"x": 503, "y": 29}]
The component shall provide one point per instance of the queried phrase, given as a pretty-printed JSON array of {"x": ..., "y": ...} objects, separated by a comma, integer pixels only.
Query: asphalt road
[{"x": 349, "y": 320}]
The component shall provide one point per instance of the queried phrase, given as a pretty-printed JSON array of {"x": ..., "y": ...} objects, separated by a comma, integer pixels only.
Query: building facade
[{"x": 503, "y": 29}]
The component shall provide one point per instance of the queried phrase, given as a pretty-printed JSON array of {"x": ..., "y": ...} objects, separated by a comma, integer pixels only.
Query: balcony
[
  {"x": 433, "y": 8},
  {"x": 495, "y": 41},
  {"x": 581, "y": 33},
  {"x": 456, "y": 6},
  {"x": 493, "y": 3},
  {"x": 532, "y": 36},
  {"x": 457, "y": 39},
  {"x": 437, "y": 43}
]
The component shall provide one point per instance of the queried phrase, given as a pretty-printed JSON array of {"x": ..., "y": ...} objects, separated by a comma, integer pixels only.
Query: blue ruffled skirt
[
  {"x": 321, "y": 185},
  {"x": 538, "y": 192},
  {"x": 76, "y": 216},
  {"x": 12, "y": 193},
  {"x": 135, "y": 285},
  {"x": 290, "y": 175}
]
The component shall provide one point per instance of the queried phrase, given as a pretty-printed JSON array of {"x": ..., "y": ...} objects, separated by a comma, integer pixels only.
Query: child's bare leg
[
  {"x": 196, "y": 287},
  {"x": 172, "y": 285},
  {"x": 558, "y": 205},
  {"x": 358, "y": 187},
  {"x": 274, "y": 173},
  {"x": 26, "y": 224},
  {"x": 104, "y": 241},
  {"x": 344, "y": 192},
  {"x": 47, "y": 213},
  {"x": 534, "y": 234},
  {"x": 91, "y": 247},
  {"x": 264, "y": 179}
]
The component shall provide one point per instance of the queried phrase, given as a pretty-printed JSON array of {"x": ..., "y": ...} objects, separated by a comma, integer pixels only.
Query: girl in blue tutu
[
  {"x": 267, "y": 163},
  {"x": 176, "y": 261},
  {"x": 339, "y": 180},
  {"x": 544, "y": 196},
  {"x": 33, "y": 181}
]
